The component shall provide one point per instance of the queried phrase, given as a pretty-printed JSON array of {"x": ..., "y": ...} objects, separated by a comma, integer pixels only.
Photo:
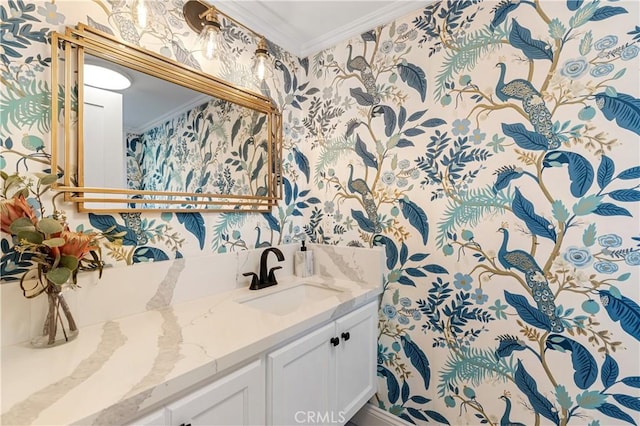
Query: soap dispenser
[{"x": 303, "y": 262}]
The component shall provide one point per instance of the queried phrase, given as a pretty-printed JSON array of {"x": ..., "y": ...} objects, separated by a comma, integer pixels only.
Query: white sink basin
[{"x": 287, "y": 300}]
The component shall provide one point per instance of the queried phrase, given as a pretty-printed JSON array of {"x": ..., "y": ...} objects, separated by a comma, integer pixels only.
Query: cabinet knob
[
  {"x": 346, "y": 336},
  {"x": 335, "y": 341}
]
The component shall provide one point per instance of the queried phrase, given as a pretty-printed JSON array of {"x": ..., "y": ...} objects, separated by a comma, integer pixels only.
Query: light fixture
[
  {"x": 203, "y": 19},
  {"x": 140, "y": 13},
  {"x": 105, "y": 78},
  {"x": 210, "y": 38},
  {"x": 261, "y": 60}
]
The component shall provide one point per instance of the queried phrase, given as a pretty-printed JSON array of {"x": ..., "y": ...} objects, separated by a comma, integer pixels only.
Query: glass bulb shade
[
  {"x": 140, "y": 13},
  {"x": 105, "y": 78},
  {"x": 210, "y": 40},
  {"x": 260, "y": 66}
]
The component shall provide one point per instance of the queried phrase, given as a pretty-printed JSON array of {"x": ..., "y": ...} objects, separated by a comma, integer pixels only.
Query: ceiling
[{"x": 305, "y": 27}]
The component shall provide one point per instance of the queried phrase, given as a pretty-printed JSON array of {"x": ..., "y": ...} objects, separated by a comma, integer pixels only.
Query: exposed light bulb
[
  {"x": 210, "y": 41},
  {"x": 260, "y": 65},
  {"x": 140, "y": 13}
]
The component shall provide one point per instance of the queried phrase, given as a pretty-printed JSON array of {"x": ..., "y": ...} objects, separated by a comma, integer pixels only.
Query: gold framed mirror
[{"x": 175, "y": 139}]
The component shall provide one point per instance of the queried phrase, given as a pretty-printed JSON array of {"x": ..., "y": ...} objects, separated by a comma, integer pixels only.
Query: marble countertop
[{"x": 121, "y": 369}]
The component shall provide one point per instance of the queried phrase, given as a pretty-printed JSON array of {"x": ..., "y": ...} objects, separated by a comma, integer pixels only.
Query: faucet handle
[
  {"x": 272, "y": 277},
  {"x": 254, "y": 281}
]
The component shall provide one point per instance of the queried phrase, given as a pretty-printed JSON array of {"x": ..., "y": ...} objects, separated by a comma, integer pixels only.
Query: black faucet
[{"x": 266, "y": 279}]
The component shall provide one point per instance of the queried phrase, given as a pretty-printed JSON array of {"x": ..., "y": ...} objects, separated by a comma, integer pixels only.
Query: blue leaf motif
[
  {"x": 393, "y": 388},
  {"x": 615, "y": 412},
  {"x": 524, "y": 138},
  {"x": 504, "y": 176},
  {"x": 538, "y": 225},
  {"x": 363, "y": 221},
  {"x": 623, "y": 108},
  {"x": 509, "y": 344},
  {"x": 194, "y": 223},
  {"x": 608, "y": 209},
  {"x": 433, "y": 122},
  {"x": 418, "y": 359},
  {"x": 302, "y": 162},
  {"x": 528, "y": 313},
  {"x": 272, "y": 221},
  {"x": 106, "y": 222},
  {"x": 147, "y": 254},
  {"x": 402, "y": 117},
  {"x": 361, "y": 97},
  {"x": 538, "y": 402},
  {"x": 415, "y": 77},
  {"x": 417, "y": 414},
  {"x": 391, "y": 251},
  {"x": 584, "y": 365},
  {"x": 416, "y": 217},
  {"x": 389, "y": 118},
  {"x": 580, "y": 173},
  {"x": 580, "y": 170},
  {"x": 574, "y": 4},
  {"x": 633, "y": 381},
  {"x": 437, "y": 417},
  {"x": 403, "y": 143},
  {"x": 520, "y": 37},
  {"x": 624, "y": 310},
  {"x": 405, "y": 391},
  {"x": 625, "y": 195},
  {"x": 288, "y": 191},
  {"x": 368, "y": 158},
  {"x": 609, "y": 372},
  {"x": 406, "y": 281},
  {"x": 628, "y": 401},
  {"x": 415, "y": 272},
  {"x": 605, "y": 171},
  {"x": 605, "y": 12},
  {"x": 501, "y": 11},
  {"x": 435, "y": 269},
  {"x": 404, "y": 253},
  {"x": 631, "y": 173}
]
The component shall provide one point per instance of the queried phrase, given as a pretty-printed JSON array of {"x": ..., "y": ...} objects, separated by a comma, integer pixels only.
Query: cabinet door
[
  {"x": 301, "y": 379},
  {"x": 236, "y": 399},
  {"x": 356, "y": 359},
  {"x": 157, "y": 418}
]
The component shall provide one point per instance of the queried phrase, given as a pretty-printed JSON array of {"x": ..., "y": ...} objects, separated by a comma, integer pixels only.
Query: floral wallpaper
[
  {"x": 25, "y": 123},
  {"x": 490, "y": 147},
  {"x": 217, "y": 147}
]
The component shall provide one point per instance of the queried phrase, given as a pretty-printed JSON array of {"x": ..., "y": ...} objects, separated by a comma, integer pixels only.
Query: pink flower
[
  {"x": 13, "y": 209},
  {"x": 77, "y": 244}
]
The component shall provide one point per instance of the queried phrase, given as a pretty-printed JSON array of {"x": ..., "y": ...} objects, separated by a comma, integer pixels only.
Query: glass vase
[{"x": 59, "y": 326}]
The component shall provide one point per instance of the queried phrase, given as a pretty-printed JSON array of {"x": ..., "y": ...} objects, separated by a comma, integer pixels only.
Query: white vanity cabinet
[
  {"x": 325, "y": 376},
  {"x": 236, "y": 399}
]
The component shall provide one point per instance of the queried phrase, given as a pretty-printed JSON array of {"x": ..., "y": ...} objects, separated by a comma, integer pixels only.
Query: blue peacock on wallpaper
[{"x": 529, "y": 209}]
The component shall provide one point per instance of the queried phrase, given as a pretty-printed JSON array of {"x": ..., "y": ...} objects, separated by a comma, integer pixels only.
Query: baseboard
[{"x": 370, "y": 415}]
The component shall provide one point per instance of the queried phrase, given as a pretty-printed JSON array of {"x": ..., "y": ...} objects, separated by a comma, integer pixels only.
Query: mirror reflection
[
  {"x": 156, "y": 135},
  {"x": 167, "y": 137}
]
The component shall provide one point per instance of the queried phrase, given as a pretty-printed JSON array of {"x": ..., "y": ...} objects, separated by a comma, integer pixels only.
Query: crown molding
[
  {"x": 258, "y": 16},
  {"x": 365, "y": 23}
]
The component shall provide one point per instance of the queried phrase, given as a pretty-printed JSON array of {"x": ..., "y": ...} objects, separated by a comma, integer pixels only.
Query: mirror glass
[
  {"x": 170, "y": 140},
  {"x": 159, "y": 136}
]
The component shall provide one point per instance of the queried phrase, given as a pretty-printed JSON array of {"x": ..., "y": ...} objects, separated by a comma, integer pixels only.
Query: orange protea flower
[
  {"x": 77, "y": 244},
  {"x": 15, "y": 208}
]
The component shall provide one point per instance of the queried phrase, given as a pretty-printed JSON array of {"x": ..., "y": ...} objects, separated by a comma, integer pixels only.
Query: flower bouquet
[{"x": 51, "y": 254}]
